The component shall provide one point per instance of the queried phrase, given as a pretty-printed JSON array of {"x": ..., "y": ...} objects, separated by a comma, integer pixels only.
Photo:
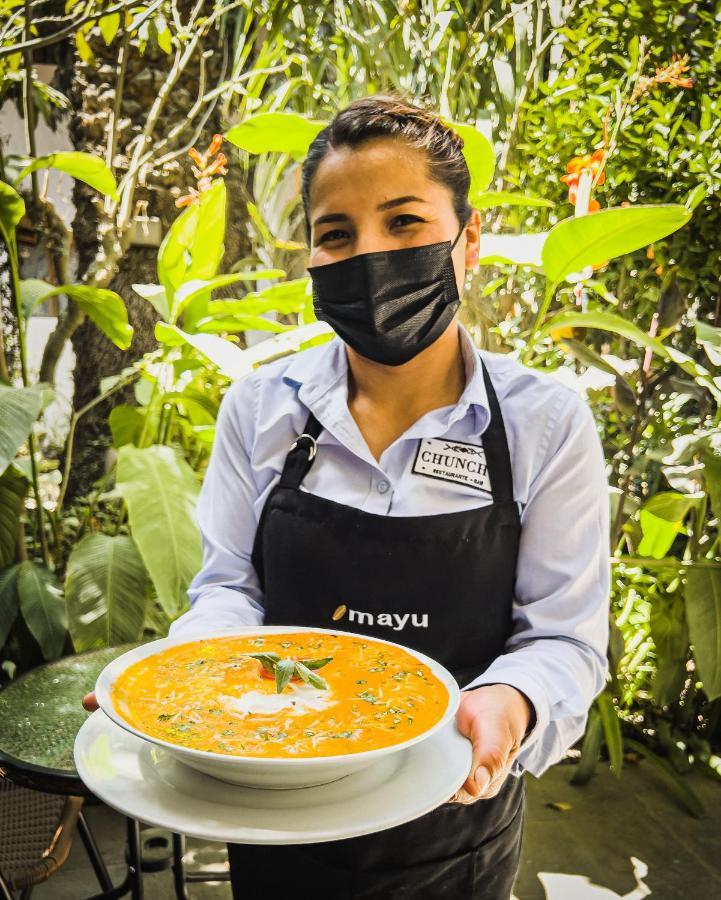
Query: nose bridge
[{"x": 370, "y": 236}]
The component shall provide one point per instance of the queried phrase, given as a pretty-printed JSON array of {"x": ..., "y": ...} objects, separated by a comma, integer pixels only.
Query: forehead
[{"x": 373, "y": 172}]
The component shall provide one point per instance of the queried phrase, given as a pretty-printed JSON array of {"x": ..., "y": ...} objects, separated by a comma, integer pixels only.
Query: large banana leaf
[
  {"x": 43, "y": 607},
  {"x": 13, "y": 486},
  {"x": 703, "y": 611},
  {"x": 161, "y": 491},
  {"x": 106, "y": 592},
  {"x": 9, "y": 600},
  {"x": 19, "y": 408}
]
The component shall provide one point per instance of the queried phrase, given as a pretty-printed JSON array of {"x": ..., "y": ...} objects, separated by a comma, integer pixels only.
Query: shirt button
[{"x": 382, "y": 487}]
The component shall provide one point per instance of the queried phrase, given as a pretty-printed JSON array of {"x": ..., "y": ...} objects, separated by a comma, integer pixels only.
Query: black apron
[{"x": 454, "y": 575}]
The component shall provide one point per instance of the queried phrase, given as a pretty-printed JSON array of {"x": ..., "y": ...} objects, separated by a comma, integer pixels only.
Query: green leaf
[
  {"x": 670, "y": 637},
  {"x": 611, "y": 731},
  {"x": 590, "y": 750},
  {"x": 661, "y": 519},
  {"x": 316, "y": 663},
  {"x": 193, "y": 246},
  {"x": 109, "y": 26},
  {"x": 83, "y": 166},
  {"x": 13, "y": 487},
  {"x": 285, "y": 298},
  {"x": 230, "y": 360},
  {"x": 126, "y": 424},
  {"x": 703, "y": 612},
  {"x": 232, "y": 324},
  {"x": 275, "y": 132},
  {"x": 675, "y": 782},
  {"x": 310, "y": 677},
  {"x": 712, "y": 479},
  {"x": 12, "y": 208},
  {"x": 156, "y": 296},
  {"x": 161, "y": 491},
  {"x": 105, "y": 591},
  {"x": 492, "y": 199},
  {"x": 267, "y": 660},
  {"x": 9, "y": 601},
  {"x": 104, "y": 308},
  {"x": 188, "y": 291},
  {"x": 43, "y": 608},
  {"x": 19, "y": 408},
  {"x": 478, "y": 153},
  {"x": 588, "y": 240},
  {"x": 710, "y": 339},
  {"x": 32, "y": 293},
  {"x": 608, "y": 321},
  {"x": 283, "y": 673}
]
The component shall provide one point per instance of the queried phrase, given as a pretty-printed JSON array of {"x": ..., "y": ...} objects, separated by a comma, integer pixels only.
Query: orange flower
[
  {"x": 672, "y": 74},
  {"x": 592, "y": 162},
  {"x": 204, "y": 169}
]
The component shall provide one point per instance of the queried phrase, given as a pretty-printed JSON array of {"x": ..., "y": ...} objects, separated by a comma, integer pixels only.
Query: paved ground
[{"x": 622, "y": 839}]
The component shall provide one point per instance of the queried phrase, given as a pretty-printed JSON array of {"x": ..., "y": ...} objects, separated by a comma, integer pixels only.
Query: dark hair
[{"x": 391, "y": 115}]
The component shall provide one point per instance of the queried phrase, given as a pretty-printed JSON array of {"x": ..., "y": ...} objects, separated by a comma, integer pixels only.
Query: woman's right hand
[{"x": 90, "y": 702}]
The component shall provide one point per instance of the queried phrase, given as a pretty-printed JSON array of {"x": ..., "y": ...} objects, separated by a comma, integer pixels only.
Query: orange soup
[{"x": 222, "y": 694}]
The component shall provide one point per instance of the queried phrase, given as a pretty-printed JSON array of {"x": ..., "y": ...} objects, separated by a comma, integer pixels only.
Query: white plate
[
  {"x": 146, "y": 782},
  {"x": 258, "y": 772}
]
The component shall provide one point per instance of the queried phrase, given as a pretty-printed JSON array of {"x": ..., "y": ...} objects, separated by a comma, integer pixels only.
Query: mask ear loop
[{"x": 463, "y": 228}]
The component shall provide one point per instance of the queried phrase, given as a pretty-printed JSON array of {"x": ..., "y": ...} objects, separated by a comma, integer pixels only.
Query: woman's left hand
[{"x": 494, "y": 718}]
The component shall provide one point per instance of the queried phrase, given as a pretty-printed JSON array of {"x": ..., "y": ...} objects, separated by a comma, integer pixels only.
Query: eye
[
  {"x": 407, "y": 216},
  {"x": 328, "y": 236}
]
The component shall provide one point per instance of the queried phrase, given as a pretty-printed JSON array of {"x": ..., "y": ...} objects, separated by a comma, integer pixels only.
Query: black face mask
[{"x": 391, "y": 304}]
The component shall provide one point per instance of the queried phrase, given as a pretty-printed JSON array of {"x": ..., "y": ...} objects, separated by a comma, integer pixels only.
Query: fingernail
[{"x": 482, "y": 778}]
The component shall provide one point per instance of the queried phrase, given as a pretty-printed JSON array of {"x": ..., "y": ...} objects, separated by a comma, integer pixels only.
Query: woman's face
[{"x": 379, "y": 197}]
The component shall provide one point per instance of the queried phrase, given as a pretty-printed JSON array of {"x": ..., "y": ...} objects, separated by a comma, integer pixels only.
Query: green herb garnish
[
  {"x": 285, "y": 669},
  {"x": 368, "y": 696}
]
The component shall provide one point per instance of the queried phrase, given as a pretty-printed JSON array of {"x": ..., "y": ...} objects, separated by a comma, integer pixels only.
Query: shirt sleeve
[
  {"x": 557, "y": 653},
  {"x": 226, "y": 593}
]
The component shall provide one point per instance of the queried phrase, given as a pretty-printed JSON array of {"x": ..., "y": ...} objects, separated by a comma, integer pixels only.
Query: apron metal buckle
[{"x": 313, "y": 445}]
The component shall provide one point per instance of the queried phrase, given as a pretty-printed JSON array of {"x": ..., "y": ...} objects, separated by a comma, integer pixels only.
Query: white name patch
[{"x": 450, "y": 460}]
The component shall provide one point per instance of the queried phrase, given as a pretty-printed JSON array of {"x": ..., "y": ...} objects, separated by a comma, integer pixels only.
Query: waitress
[{"x": 403, "y": 476}]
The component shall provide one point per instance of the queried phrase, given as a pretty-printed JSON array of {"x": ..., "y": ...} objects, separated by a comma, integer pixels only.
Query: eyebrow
[{"x": 388, "y": 204}]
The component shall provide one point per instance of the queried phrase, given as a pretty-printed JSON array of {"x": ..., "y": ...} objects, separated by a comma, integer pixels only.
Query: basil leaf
[
  {"x": 267, "y": 660},
  {"x": 310, "y": 677},
  {"x": 283, "y": 673},
  {"x": 316, "y": 663}
]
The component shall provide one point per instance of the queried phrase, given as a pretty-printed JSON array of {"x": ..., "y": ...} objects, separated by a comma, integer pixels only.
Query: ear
[{"x": 473, "y": 240}]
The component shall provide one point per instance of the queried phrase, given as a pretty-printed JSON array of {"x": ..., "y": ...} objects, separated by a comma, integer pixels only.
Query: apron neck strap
[
  {"x": 301, "y": 454},
  {"x": 498, "y": 458},
  {"x": 495, "y": 446}
]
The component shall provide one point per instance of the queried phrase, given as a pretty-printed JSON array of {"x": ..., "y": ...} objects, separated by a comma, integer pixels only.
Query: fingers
[
  {"x": 464, "y": 797},
  {"x": 90, "y": 702}
]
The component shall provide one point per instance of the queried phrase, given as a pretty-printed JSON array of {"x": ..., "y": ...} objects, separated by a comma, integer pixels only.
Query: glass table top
[{"x": 41, "y": 711}]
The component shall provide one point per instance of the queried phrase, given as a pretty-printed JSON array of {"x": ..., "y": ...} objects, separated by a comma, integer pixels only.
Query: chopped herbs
[{"x": 368, "y": 696}]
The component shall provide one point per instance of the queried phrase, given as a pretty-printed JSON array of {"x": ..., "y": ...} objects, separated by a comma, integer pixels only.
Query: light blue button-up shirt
[{"x": 557, "y": 653}]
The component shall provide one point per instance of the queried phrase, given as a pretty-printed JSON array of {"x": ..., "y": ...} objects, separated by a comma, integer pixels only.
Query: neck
[{"x": 435, "y": 377}]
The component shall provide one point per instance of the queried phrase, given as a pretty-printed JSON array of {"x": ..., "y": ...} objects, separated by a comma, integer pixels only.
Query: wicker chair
[{"x": 36, "y": 833}]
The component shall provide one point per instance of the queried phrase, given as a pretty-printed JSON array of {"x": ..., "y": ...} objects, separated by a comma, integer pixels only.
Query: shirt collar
[{"x": 315, "y": 373}]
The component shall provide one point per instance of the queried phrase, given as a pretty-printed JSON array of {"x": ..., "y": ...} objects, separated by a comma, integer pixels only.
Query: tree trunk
[{"x": 91, "y": 93}]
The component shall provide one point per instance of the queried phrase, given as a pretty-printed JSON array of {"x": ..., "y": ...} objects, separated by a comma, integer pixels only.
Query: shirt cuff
[{"x": 501, "y": 673}]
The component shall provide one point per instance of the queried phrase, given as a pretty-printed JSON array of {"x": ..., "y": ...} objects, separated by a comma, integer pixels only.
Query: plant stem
[
  {"x": 121, "y": 383},
  {"x": 667, "y": 562}
]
